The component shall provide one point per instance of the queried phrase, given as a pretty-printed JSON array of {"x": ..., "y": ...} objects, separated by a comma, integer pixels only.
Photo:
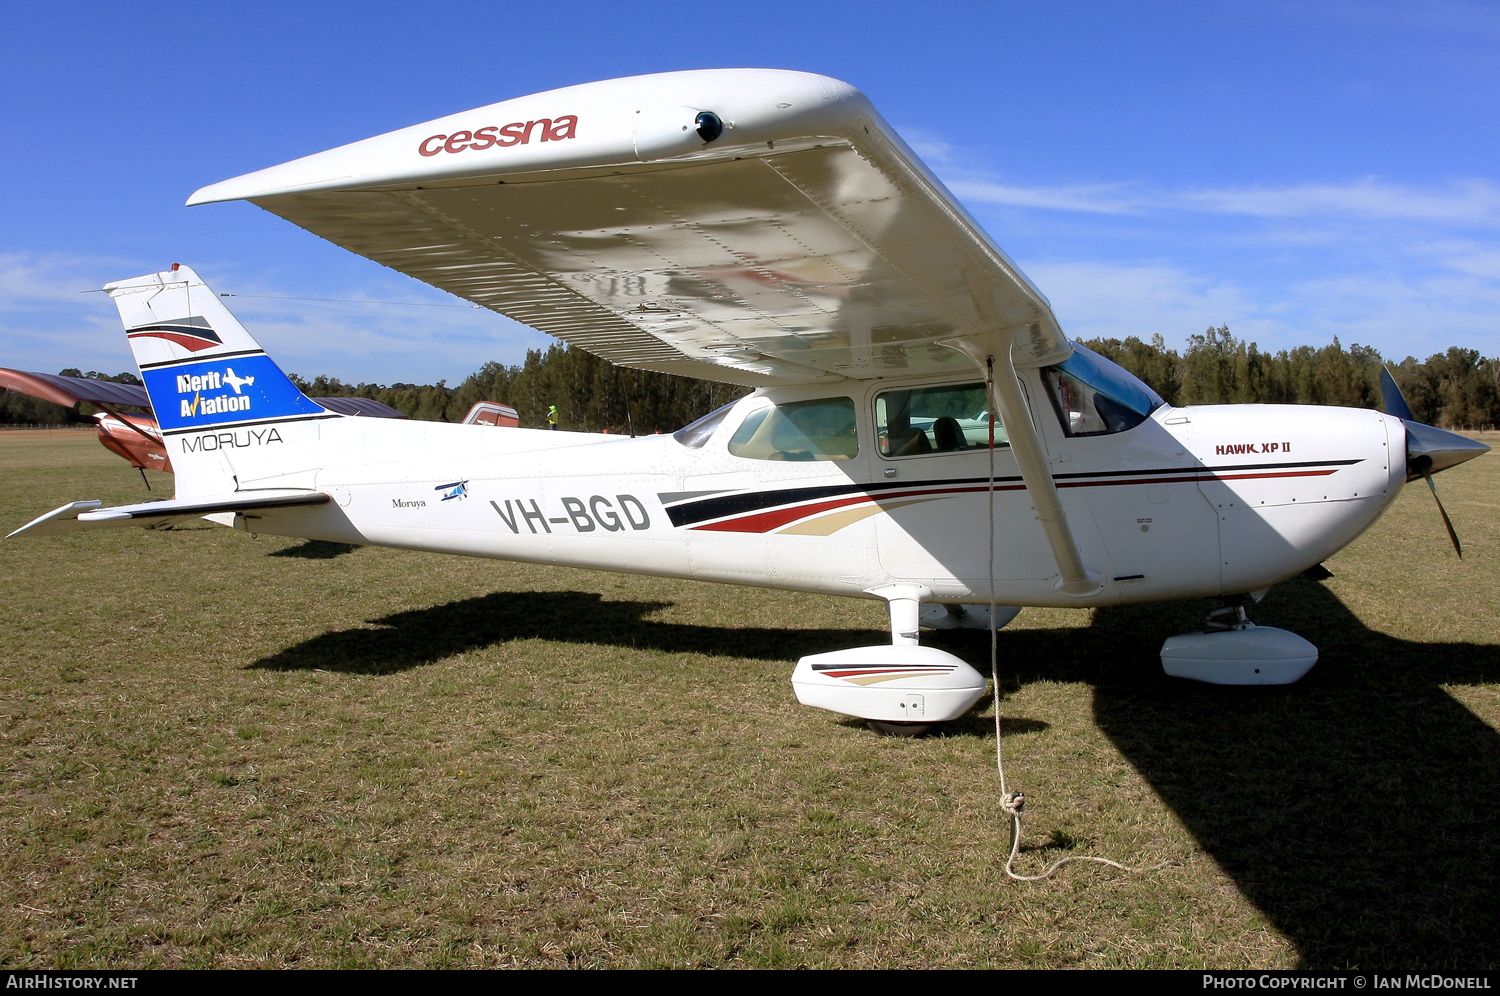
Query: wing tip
[{"x": 57, "y": 515}]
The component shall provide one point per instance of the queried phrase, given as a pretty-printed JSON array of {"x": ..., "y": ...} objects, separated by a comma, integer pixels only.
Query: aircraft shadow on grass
[
  {"x": 1358, "y": 809},
  {"x": 315, "y": 550},
  {"x": 419, "y": 637}
]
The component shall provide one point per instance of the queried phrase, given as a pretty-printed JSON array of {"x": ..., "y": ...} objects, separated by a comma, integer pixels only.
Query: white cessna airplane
[{"x": 768, "y": 229}]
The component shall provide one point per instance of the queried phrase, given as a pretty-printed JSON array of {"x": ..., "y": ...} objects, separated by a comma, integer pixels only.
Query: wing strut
[{"x": 994, "y": 358}]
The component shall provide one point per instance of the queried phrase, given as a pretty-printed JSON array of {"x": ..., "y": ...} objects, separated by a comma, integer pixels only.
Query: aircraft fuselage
[{"x": 1191, "y": 502}]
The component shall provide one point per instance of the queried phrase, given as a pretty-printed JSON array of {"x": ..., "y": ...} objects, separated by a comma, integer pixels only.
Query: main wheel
[{"x": 892, "y": 728}]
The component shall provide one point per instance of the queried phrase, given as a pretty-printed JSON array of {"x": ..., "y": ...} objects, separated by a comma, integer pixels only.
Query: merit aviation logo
[
  {"x": 213, "y": 380},
  {"x": 246, "y": 387}
]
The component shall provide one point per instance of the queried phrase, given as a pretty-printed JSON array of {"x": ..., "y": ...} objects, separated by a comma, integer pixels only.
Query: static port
[{"x": 710, "y": 126}]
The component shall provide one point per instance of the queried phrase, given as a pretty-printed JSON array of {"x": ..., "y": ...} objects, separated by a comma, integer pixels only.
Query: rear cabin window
[
  {"x": 924, "y": 420},
  {"x": 802, "y": 430}
]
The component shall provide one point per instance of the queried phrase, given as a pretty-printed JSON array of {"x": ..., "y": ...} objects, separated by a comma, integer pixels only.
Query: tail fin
[{"x": 203, "y": 372}]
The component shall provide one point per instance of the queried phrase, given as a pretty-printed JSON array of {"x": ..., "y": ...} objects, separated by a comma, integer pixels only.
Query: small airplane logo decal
[
  {"x": 236, "y": 382},
  {"x": 458, "y": 489}
]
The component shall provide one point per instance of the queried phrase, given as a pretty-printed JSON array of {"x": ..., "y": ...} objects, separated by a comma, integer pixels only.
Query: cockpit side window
[
  {"x": 946, "y": 419},
  {"x": 801, "y": 430},
  {"x": 1095, "y": 397}
]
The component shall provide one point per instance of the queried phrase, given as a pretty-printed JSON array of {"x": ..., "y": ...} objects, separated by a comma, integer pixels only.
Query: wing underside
[{"x": 806, "y": 244}]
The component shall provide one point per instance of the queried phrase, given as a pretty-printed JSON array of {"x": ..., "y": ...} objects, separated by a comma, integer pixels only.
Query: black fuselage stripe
[
  {"x": 691, "y": 513},
  {"x": 202, "y": 359},
  {"x": 231, "y": 426}
]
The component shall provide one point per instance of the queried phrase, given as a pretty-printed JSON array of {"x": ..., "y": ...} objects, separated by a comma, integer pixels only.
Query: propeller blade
[
  {"x": 1446, "y": 521},
  {"x": 1428, "y": 448},
  {"x": 1390, "y": 393}
]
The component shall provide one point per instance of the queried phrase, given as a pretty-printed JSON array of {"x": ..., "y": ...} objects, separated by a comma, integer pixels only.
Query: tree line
[
  {"x": 591, "y": 395},
  {"x": 1456, "y": 389}
]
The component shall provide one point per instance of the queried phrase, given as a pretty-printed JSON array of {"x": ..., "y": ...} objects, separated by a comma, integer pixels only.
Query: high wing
[{"x": 749, "y": 226}]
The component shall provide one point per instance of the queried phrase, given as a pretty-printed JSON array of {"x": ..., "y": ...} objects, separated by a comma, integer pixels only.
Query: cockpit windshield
[
  {"x": 1094, "y": 396},
  {"x": 695, "y": 434}
]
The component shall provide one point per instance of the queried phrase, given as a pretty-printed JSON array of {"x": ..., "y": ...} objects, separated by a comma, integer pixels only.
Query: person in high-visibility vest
[{"x": 552, "y": 417}]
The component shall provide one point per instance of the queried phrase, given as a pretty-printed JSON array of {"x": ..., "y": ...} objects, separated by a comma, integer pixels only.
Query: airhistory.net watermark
[{"x": 55, "y": 980}]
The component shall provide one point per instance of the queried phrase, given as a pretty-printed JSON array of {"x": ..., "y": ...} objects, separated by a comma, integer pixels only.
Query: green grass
[{"x": 227, "y": 751}]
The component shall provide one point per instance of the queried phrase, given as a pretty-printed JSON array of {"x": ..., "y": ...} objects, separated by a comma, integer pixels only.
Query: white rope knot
[{"x": 1013, "y": 803}]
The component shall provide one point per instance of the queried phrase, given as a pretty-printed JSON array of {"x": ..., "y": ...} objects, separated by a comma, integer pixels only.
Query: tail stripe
[
  {"x": 191, "y": 334},
  {"x": 219, "y": 356}
]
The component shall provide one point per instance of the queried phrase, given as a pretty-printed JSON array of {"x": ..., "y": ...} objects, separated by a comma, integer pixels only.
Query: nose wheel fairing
[{"x": 1240, "y": 654}]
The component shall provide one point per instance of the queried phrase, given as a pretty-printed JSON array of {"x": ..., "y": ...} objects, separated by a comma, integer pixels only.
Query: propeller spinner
[{"x": 1428, "y": 448}]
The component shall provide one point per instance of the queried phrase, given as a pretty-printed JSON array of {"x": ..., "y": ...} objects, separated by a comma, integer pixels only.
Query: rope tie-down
[{"x": 1013, "y": 804}]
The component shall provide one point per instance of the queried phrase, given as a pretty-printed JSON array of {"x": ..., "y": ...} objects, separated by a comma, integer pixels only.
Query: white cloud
[
  {"x": 378, "y": 341},
  {"x": 1476, "y": 259},
  {"x": 383, "y": 344},
  {"x": 1114, "y": 300},
  {"x": 932, "y": 149},
  {"x": 1095, "y": 199},
  {"x": 1405, "y": 267},
  {"x": 1418, "y": 316},
  {"x": 47, "y": 323},
  {"x": 28, "y": 280},
  {"x": 1461, "y": 202}
]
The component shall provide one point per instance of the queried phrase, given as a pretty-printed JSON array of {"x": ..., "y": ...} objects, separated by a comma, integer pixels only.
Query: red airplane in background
[{"x": 134, "y": 434}]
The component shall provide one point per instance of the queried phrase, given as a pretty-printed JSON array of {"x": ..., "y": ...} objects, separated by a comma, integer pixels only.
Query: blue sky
[{"x": 1297, "y": 171}]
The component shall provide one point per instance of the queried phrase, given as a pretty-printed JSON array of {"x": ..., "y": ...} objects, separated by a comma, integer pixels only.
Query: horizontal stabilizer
[{"x": 81, "y": 515}]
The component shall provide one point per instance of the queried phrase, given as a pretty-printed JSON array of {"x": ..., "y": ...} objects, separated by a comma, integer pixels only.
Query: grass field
[{"x": 225, "y": 751}]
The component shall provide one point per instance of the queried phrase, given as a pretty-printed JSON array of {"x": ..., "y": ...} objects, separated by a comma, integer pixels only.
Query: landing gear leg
[
  {"x": 1230, "y": 617},
  {"x": 902, "y": 689}
]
